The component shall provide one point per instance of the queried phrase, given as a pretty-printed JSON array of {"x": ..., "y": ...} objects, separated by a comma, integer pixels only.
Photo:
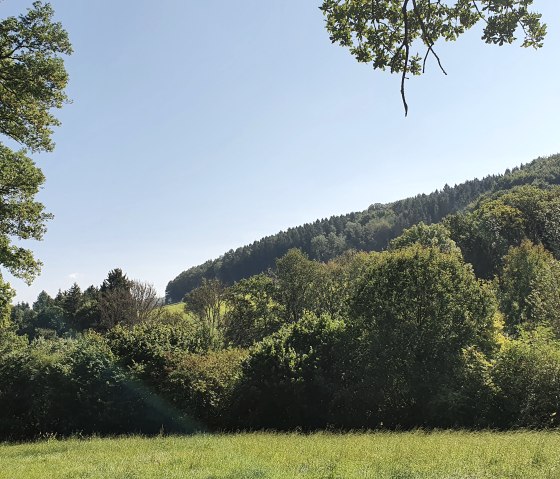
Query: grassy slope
[
  {"x": 175, "y": 308},
  {"x": 451, "y": 455},
  {"x": 179, "y": 308}
]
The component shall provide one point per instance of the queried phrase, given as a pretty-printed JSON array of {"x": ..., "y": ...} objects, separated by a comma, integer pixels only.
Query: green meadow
[{"x": 414, "y": 455}]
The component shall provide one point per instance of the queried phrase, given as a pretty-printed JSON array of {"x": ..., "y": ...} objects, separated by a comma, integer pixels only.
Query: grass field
[
  {"x": 450, "y": 455},
  {"x": 176, "y": 308}
]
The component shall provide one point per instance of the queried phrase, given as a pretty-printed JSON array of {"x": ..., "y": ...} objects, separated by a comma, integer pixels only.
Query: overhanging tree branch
[{"x": 382, "y": 32}]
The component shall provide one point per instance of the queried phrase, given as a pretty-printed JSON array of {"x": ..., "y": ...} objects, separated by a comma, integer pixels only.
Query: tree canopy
[
  {"x": 372, "y": 229},
  {"x": 32, "y": 76},
  {"x": 390, "y": 33},
  {"x": 32, "y": 83}
]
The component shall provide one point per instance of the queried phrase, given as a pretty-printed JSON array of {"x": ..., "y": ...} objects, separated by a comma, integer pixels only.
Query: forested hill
[{"x": 368, "y": 230}]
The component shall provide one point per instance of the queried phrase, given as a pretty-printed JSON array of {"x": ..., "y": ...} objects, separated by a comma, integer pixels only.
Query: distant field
[
  {"x": 441, "y": 455},
  {"x": 178, "y": 309},
  {"x": 175, "y": 307}
]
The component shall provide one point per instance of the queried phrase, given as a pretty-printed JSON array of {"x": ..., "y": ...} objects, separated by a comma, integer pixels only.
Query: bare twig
[
  {"x": 427, "y": 40},
  {"x": 480, "y": 14},
  {"x": 406, "y": 45}
]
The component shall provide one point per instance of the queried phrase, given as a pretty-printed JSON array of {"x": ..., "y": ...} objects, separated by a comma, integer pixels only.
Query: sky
[{"x": 199, "y": 126}]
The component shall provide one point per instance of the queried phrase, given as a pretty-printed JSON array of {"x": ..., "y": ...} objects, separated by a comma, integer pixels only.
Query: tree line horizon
[{"x": 367, "y": 230}]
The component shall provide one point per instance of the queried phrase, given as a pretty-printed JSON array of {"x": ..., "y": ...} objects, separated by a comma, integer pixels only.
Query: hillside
[{"x": 368, "y": 230}]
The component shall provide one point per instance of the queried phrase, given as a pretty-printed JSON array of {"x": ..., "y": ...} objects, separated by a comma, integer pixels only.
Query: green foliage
[
  {"x": 10, "y": 342},
  {"x": 6, "y": 295},
  {"x": 290, "y": 379},
  {"x": 115, "y": 280},
  {"x": 428, "y": 236},
  {"x": 21, "y": 216},
  {"x": 33, "y": 75},
  {"x": 415, "y": 311},
  {"x": 32, "y": 83},
  {"x": 384, "y": 32},
  {"x": 527, "y": 375},
  {"x": 147, "y": 348},
  {"x": 486, "y": 235},
  {"x": 116, "y": 304},
  {"x": 468, "y": 400},
  {"x": 404, "y": 338},
  {"x": 22, "y": 318},
  {"x": 252, "y": 313},
  {"x": 74, "y": 386},
  {"x": 495, "y": 223},
  {"x": 203, "y": 385},
  {"x": 175, "y": 361},
  {"x": 296, "y": 276},
  {"x": 87, "y": 314},
  {"x": 207, "y": 303},
  {"x": 258, "y": 306},
  {"x": 528, "y": 288},
  {"x": 335, "y": 283},
  {"x": 373, "y": 228},
  {"x": 376, "y": 34}
]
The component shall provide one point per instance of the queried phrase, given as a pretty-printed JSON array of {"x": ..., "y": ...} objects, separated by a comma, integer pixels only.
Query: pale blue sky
[{"x": 200, "y": 126}]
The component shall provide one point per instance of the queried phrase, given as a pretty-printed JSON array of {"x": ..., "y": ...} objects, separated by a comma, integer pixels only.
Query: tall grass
[{"x": 415, "y": 455}]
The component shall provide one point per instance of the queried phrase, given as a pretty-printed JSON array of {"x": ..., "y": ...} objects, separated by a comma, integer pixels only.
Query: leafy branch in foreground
[
  {"x": 21, "y": 216},
  {"x": 32, "y": 83},
  {"x": 32, "y": 76},
  {"x": 385, "y": 33}
]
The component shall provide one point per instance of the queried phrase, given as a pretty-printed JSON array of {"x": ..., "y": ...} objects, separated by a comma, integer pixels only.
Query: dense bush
[
  {"x": 202, "y": 385},
  {"x": 291, "y": 378},
  {"x": 527, "y": 376},
  {"x": 252, "y": 311},
  {"x": 174, "y": 362},
  {"x": 74, "y": 386},
  {"x": 414, "y": 313},
  {"x": 529, "y": 288},
  {"x": 495, "y": 223},
  {"x": 148, "y": 347}
]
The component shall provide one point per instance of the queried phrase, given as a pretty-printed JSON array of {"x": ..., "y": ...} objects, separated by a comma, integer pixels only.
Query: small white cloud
[{"x": 73, "y": 275}]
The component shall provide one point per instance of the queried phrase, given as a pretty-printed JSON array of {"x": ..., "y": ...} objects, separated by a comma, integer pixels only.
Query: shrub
[
  {"x": 201, "y": 385},
  {"x": 290, "y": 378},
  {"x": 147, "y": 347},
  {"x": 527, "y": 375},
  {"x": 414, "y": 313},
  {"x": 76, "y": 386}
]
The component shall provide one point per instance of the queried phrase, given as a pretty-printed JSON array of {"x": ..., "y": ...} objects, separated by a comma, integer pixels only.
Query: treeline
[
  {"x": 368, "y": 230},
  {"x": 414, "y": 336},
  {"x": 118, "y": 300}
]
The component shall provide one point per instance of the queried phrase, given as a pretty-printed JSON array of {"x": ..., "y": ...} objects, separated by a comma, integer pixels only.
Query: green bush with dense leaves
[
  {"x": 415, "y": 311},
  {"x": 203, "y": 385},
  {"x": 529, "y": 288},
  {"x": 291, "y": 378},
  {"x": 147, "y": 348},
  {"x": 74, "y": 387},
  {"x": 527, "y": 377}
]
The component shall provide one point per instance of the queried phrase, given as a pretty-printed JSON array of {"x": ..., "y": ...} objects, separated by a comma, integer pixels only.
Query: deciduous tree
[
  {"x": 528, "y": 288},
  {"x": 32, "y": 83},
  {"x": 390, "y": 33},
  {"x": 416, "y": 310},
  {"x": 207, "y": 303}
]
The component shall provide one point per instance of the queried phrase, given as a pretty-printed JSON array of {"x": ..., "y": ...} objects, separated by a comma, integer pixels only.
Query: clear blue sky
[{"x": 200, "y": 126}]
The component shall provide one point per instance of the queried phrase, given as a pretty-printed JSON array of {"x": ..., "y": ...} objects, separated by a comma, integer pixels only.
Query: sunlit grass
[
  {"x": 417, "y": 455},
  {"x": 175, "y": 307}
]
